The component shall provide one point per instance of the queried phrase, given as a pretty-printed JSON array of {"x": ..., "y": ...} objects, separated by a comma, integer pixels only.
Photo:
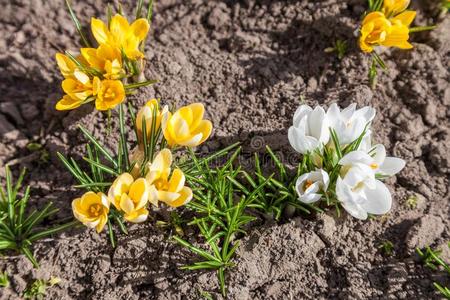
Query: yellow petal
[
  {"x": 177, "y": 180},
  {"x": 153, "y": 195},
  {"x": 205, "y": 128},
  {"x": 82, "y": 77},
  {"x": 126, "y": 204},
  {"x": 101, "y": 224},
  {"x": 405, "y": 18},
  {"x": 167, "y": 197},
  {"x": 398, "y": 38},
  {"x": 162, "y": 162},
  {"x": 119, "y": 28},
  {"x": 184, "y": 198},
  {"x": 90, "y": 55},
  {"x": 372, "y": 17},
  {"x": 67, "y": 103},
  {"x": 137, "y": 216},
  {"x": 139, "y": 193},
  {"x": 140, "y": 28},
  {"x": 120, "y": 186},
  {"x": 191, "y": 141},
  {"x": 65, "y": 64},
  {"x": 198, "y": 111},
  {"x": 99, "y": 31}
]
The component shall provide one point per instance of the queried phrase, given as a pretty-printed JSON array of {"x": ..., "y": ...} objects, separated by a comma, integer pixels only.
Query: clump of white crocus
[
  {"x": 355, "y": 167},
  {"x": 310, "y": 129},
  {"x": 310, "y": 186}
]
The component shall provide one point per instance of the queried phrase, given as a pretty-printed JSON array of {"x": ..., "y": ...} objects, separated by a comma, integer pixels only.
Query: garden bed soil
[{"x": 251, "y": 63}]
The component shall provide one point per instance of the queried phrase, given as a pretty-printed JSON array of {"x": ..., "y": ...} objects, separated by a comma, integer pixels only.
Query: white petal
[
  {"x": 325, "y": 180},
  {"x": 315, "y": 122},
  {"x": 300, "y": 113},
  {"x": 356, "y": 157},
  {"x": 310, "y": 198},
  {"x": 378, "y": 153},
  {"x": 348, "y": 112},
  {"x": 299, "y": 183},
  {"x": 379, "y": 200},
  {"x": 391, "y": 166},
  {"x": 349, "y": 200},
  {"x": 300, "y": 142}
]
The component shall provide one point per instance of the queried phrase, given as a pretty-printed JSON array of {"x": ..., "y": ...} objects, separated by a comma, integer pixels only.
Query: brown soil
[{"x": 249, "y": 62}]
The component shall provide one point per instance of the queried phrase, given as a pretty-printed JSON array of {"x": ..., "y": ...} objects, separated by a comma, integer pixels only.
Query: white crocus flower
[
  {"x": 349, "y": 123},
  {"x": 357, "y": 188},
  {"x": 310, "y": 185},
  {"x": 310, "y": 129}
]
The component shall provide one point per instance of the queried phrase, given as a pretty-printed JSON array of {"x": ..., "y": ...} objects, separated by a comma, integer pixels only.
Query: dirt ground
[{"x": 250, "y": 62}]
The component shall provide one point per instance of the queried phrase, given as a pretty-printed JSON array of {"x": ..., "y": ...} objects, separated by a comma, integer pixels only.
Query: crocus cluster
[
  {"x": 344, "y": 164},
  {"x": 388, "y": 27},
  {"x": 154, "y": 181},
  {"x": 97, "y": 74}
]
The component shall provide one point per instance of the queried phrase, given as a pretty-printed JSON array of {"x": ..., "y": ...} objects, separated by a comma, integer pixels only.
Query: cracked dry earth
[{"x": 249, "y": 62}]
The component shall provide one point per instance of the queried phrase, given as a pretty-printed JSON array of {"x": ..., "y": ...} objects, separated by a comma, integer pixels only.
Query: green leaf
[
  {"x": 140, "y": 84},
  {"x": 78, "y": 25}
]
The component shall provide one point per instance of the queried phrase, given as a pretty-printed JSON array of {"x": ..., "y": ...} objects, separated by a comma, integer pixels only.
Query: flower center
[
  {"x": 162, "y": 185},
  {"x": 109, "y": 93},
  {"x": 373, "y": 166},
  {"x": 308, "y": 183},
  {"x": 95, "y": 210}
]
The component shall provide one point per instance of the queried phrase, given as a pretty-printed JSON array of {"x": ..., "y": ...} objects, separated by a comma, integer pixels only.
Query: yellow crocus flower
[
  {"x": 377, "y": 30},
  {"x": 146, "y": 112},
  {"x": 109, "y": 93},
  {"x": 106, "y": 59},
  {"x": 394, "y": 7},
  {"x": 79, "y": 87},
  {"x": 171, "y": 190},
  {"x": 121, "y": 34},
  {"x": 92, "y": 210},
  {"x": 131, "y": 197},
  {"x": 186, "y": 126}
]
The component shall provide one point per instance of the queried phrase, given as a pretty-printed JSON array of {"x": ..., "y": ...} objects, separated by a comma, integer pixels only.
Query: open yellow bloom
[
  {"x": 170, "y": 191},
  {"x": 394, "y": 7},
  {"x": 92, "y": 210},
  {"x": 131, "y": 197},
  {"x": 377, "y": 30},
  {"x": 106, "y": 59},
  {"x": 146, "y": 113},
  {"x": 121, "y": 34},
  {"x": 186, "y": 126},
  {"x": 109, "y": 93}
]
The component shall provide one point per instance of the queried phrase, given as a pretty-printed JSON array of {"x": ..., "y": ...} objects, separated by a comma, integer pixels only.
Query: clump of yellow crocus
[
  {"x": 377, "y": 30},
  {"x": 186, "y": 126},
  {"x": 121, "y": 34},
  {"x": 92, "y": 210},
  {"x": 164, "y": 186},
  {"x": 80, "y": 88},
  {"x": 131, "y": 197},
  {"x": 146, "y": 113}
]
